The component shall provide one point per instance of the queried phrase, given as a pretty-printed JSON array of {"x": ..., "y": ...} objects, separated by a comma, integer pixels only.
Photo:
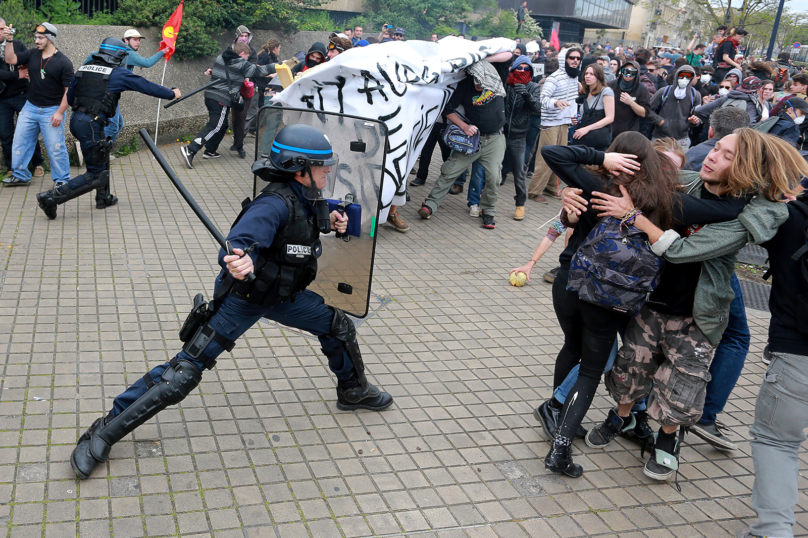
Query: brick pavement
[{"x": 92, "y": 300}]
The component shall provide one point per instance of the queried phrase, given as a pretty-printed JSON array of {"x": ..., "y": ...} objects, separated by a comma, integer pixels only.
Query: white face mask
[
  {"x": 705, "y": 79},
  {"x": 723, "y": 91},
  {"x": 799, "y": 119},
  {"x": 683, "y": 82}
]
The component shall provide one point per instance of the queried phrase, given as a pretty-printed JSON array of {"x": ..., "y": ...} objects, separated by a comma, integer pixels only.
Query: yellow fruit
[{"x": 518, "y": 279}]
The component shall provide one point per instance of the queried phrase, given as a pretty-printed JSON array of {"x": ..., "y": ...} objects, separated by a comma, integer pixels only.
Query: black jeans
[
  {"x": 212, "y": 134},
  {"x": 589, "y": 334},
  {"x": 435, "y": 137},
  {"x": 9, "y": 107},
  {"x": 515, "y": 154},
  {"x": 240, "y": 122}
]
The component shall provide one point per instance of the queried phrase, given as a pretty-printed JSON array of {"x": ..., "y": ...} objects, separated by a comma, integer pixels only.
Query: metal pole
[
  {"x": 770, "y": 50},
  {"x": 162, "y": 80}
]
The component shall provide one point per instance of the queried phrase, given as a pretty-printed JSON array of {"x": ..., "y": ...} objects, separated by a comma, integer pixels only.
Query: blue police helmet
[
  {"x": 112, "y": 51},
  {"x": 295, "y": 148}
]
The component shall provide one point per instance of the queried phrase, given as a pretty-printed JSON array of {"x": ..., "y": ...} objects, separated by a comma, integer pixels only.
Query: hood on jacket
[
  {"x": 738, "y": 94},
  {"x": 683, "y": 69},
  {"x": 317, "y": 47},
  {"x": 243, "y": 29},
  {"x": 737, "y": 72},
  {"x": 229, "y": 56},
  {"x": 522, "y": 49},
  {"x": 519, "y": 61},
  {"x": 636, "y": 66}
]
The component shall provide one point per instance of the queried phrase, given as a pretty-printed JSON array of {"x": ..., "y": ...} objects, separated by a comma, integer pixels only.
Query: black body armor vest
[
  {"x": 92, "y": 93},
  {"x": 289, "y": 265}
]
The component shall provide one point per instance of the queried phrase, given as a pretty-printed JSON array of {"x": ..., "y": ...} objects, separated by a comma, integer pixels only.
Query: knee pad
[
  {"x": 178, "y": 380},
  {"x": 63, "y": 194},
  {"x": 344, "y": 330}
]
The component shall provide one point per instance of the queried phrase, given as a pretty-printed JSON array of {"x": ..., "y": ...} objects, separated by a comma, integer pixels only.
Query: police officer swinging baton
[
  {"x": 217, "y": 235},
  {"x": 187, "y": 95}
]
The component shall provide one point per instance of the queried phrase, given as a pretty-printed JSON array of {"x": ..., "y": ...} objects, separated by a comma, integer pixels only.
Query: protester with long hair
[
  {"x": 597, "y": 101},
  {"x": 724, "y": 59},
  {"x": 668, "y": 348}
]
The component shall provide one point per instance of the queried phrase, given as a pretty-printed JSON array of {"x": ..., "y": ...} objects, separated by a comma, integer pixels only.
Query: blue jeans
[
  {"x": 729, "y": 358},
  {"x": 232, "y": 319},
  {"x": 476, "y": 185},
  {"x": 8, "y": 108},
  {"x": 114, "y": 126},
  {"x": 32, "y": 121}
]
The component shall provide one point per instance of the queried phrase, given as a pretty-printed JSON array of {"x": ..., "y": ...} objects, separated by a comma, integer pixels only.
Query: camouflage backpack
[{"x": 615, "y": 268}]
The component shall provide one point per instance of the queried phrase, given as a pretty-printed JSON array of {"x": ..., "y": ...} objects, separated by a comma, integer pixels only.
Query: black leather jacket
[{"x": 518, "y": 109}]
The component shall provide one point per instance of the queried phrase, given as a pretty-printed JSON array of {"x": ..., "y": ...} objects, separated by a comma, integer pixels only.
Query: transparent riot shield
[{"x": 345, "y": 268}]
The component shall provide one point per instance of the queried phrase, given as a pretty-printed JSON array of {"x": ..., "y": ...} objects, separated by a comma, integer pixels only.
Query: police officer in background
[
  {"x": 276, "y": 238},
  {"x": 93, "y": 95}
]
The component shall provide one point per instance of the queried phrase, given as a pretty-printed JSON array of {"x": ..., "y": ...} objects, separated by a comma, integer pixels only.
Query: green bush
[
  {"x": 317, "y": 20},
  {"x": 22, "y": 16}
]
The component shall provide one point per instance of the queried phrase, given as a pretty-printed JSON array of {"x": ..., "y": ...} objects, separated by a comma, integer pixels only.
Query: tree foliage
[
  {"x": 417, "y": 17},
  {"x": 203, "y": 20}
]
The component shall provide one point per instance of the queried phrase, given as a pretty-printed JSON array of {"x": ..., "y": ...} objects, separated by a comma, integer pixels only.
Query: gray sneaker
[
  {"x": 712, "y": 433},
  {"x": 550, "y": 275},
  {"x": 14, "y": 181}
]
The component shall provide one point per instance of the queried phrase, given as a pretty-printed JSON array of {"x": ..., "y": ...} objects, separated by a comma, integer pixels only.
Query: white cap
[
  {"x": 532, "y": 47},
  {"x": 131, "y": 33}
]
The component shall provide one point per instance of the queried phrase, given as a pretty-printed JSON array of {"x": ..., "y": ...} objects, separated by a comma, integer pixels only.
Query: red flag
[
  {"x": 170, "y": 32},
  {"x": 554, "y": 37}
]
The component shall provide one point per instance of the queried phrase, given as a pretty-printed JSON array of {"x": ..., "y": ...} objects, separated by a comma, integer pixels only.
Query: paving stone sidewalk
[{"x": 89, "y": 302}]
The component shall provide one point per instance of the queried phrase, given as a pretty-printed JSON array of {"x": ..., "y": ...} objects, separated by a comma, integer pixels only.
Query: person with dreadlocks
[{"x": 276, "y": 238}]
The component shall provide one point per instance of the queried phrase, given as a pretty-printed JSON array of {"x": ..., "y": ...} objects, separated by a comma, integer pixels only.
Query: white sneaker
[
  {"x": 767, "y": 355},
  {"x": 474, "y": 211}
]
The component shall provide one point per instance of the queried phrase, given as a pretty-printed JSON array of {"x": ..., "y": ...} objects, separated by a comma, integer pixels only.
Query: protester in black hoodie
[
  {"x": 631, "y": 104},
  {"x": 316, "y": 55}
]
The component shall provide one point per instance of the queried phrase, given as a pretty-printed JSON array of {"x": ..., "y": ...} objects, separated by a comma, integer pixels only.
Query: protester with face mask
[
  {"x": 632, "y": 100},
  {"x": 316, "y": 55},
  {"x": 674, "y": 106},
  {"x": 790, "y": 120},
  {"x": 557, "y": 111},
  {"x": 744, "y": 96},
  {"x": 243, "y": 35}
]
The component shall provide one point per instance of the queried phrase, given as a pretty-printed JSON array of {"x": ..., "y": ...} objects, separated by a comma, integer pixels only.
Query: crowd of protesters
[{"x": 700, "y": 149}]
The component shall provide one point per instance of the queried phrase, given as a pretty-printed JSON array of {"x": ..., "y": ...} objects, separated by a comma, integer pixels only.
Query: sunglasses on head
[
  {"x": 42, "y": 30},
  {"x": 332, "y": 46}
]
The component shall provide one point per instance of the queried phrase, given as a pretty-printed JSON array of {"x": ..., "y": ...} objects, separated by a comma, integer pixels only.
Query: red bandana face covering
[{"x": 519, "y": 77}]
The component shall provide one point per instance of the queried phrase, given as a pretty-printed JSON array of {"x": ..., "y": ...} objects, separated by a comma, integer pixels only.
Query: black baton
[
  {"x": 187, "y": 95},
  {"x": 217, "y": 235}
]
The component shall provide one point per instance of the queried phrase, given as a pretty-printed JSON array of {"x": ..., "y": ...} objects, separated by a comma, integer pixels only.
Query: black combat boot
[
  {"x": 47, "y": 202},
  {"x": 104, "y": 198},
  {"x": 351, "y": 396},
  {"x": 559, "y": 459},
  {"x": 90, "y": 451},
  {"x": 549, "y": 415}
]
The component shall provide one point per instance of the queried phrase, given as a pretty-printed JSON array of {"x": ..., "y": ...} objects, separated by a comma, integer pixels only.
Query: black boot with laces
[{"x": 559, "y": 459}]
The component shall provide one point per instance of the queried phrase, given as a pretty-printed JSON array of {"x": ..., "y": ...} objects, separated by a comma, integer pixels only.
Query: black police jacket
[{"x": 289, "y": 265}]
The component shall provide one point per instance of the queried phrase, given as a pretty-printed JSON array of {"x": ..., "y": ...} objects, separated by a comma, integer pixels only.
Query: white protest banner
[{"x": 405, "y": 84}]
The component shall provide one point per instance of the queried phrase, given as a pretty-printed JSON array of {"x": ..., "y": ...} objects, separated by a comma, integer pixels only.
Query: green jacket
[{"x": 716, "y": 246}]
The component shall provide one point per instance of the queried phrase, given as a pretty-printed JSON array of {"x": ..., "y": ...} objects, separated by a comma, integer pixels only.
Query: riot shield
[{"x": 345, "y": 267}]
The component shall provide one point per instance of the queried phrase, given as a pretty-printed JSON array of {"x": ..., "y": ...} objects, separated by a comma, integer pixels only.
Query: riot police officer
[
  {"x": 276, "y": 239},
  {"x": 93, "y": 95}
]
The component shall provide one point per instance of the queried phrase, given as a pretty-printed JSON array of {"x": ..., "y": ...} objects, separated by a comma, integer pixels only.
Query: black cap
[
  {"x": 799, "y": 104},
  {"x": 400, "y": 31}
]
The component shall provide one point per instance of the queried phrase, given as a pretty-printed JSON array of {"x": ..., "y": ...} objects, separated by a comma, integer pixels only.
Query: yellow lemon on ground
[{"x": 518, "y": 279}]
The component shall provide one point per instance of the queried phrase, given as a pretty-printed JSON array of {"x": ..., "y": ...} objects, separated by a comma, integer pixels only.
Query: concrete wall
[{"x": 77, "y": 42}]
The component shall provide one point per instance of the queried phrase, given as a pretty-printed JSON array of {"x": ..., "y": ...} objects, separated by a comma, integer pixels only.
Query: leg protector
[
  {"x": 343, "y": 329},
  {"x": 73, "y": 189},
  {"x": 178, "y": 380}
]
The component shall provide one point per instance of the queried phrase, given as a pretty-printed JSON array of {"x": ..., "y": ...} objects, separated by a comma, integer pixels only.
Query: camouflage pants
[{"x": 668, "y": 357}]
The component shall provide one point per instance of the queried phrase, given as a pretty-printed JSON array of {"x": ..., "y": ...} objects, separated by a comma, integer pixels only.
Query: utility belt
[{"x": 100, "y": 120}]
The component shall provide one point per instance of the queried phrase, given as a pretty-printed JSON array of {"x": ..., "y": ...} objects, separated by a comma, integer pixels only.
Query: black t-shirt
[
  {"x": 724, "y": 48},
  {"x": 481, "y": 108},
  {"x": 677, "y": 288},
  {"x": 48, "y": 89},
  {"x": 788, "y": 330}
]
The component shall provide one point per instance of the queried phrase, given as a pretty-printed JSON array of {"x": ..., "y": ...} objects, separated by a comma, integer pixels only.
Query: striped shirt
[{"x": 558, "y": 87}]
